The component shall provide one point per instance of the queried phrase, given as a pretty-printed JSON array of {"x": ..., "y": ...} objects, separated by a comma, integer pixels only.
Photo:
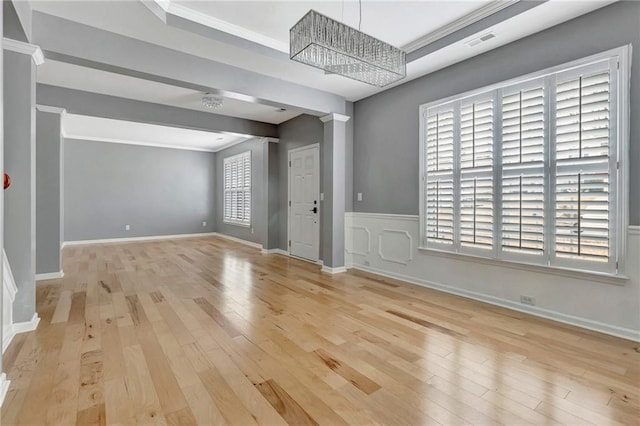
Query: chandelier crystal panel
[{"x": 330, "y": 45}]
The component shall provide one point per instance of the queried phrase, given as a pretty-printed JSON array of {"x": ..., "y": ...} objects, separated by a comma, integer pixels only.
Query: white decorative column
[
  {"x": 333, "y": 183},
  {"x": 19, "y": 95},
  {"x": 49, "y": 192}
]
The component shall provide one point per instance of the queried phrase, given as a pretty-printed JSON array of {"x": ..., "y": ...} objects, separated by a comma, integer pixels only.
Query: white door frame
[{"x": 289, "y": 152}]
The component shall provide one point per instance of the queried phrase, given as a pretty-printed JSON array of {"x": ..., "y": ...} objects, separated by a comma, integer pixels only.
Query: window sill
[
  {"x": 241, "y": 224},
  {"x": 599, "y": 277}
]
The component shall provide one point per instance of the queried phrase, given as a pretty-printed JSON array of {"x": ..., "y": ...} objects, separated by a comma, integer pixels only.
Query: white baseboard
[
  {"x": 136, "y": 239},
  {"x": 4, "y": 387},
  {"x": 286, "y": 253},
  {"x": 238, "y": 240},
  {"x": 17, "y": 328},
  {"x": 50, "y": 276},
  {"x": 330, "y": 270},
  {"x": 622, "y": 332},
  {"x": 275, "y": 251}
]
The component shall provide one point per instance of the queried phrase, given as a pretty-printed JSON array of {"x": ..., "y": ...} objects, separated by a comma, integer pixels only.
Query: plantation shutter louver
[
  {"x": 439, "y": 159},
  {"x": 584, "y": 205},
  {"x": 237, "y": 188},
  {"x": 476, "y": 173},
  {"x": 523, "y": 171}
]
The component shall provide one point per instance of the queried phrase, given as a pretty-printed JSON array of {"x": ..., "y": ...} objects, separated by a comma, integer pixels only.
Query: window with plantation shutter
[
  {"x": 476, "y": 173},
  {"x": 584, "y": 196},
  {"x": 237, "y": 189},
  {"x": 531, "y": 170},
  {"x": 439, "y": 162},
  {"x": 523, "y": 170}
]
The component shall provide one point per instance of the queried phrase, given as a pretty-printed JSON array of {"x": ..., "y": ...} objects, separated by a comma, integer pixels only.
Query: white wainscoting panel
[
  {"x": 397, "y": 244},
  {"x": 360, "y": 237},
  {"x": 9, "y": 291},
  {"x": 4, "y": 387},
  {"x": 588, "y": 301}
]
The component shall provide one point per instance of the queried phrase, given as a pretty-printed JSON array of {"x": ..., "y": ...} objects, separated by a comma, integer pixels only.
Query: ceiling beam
[
  {"x": 105, "y": 106},
  {"x": 72, "y": 42}
]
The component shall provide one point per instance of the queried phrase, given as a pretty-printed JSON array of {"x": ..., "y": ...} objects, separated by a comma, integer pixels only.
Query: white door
[{"x": 304, "y": 202}]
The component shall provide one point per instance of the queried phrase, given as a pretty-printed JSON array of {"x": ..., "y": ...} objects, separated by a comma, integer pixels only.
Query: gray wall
[
  {"x": 386, "y": 125},
  {"x": 257, "y": 232},
  {"x": 19, "y": 163},
  {"x": 48, "y": 192},
  {"x": 1, "y": 169},
  {"x": 157, "y": 191},
  {"x": 295, "y": 133},
  {"x": 273, "y": 196},
  {"x": 12, "y": 27},
  {"x": 348, "y": 207}
]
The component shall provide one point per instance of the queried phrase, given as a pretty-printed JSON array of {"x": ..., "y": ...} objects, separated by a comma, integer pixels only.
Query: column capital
[
  {"x": 25, "y": 48},
  {"x": 51, "y": 109},
  {"x": 269, "y": 139},
  {"x": 335, "y": 116}
]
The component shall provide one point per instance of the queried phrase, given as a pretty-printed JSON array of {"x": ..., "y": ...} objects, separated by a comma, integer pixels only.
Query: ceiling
[
  {"x": 118, "y": 131},
  {"x": 409, "y": 24},
  {"x": 269, "y": 21}
]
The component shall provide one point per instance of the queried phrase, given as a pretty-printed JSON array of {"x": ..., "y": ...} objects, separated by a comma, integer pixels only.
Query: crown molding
[
  {"x": 471, "y": 18},
  {"x": 335, "y": 117},
  {"x": 25, "y": 48},
  {"x": 182, "y": 11}
]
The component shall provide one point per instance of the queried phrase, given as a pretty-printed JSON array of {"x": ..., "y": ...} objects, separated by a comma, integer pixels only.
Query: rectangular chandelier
[{"x": 330, "y": 45}]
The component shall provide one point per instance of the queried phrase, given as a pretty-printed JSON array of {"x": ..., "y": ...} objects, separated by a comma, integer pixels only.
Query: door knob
[{"x": 315, "y": 210}]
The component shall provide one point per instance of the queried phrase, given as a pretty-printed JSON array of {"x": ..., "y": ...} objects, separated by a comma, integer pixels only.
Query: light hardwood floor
[{"x": 209, "y": 331}]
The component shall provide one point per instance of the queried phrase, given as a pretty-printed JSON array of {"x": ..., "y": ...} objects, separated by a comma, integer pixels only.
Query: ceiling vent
[{"x": 476, "y": 41}]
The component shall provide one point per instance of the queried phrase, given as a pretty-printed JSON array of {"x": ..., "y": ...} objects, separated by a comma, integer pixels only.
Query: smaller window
[{"x": 237, "y": 189}]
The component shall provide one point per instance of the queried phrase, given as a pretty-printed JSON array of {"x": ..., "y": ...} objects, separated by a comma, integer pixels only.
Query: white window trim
[
  {"x": 241, "y": 223},
  {"x": 623, "y": 55}
]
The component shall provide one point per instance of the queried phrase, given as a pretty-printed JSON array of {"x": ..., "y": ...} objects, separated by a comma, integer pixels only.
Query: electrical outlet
[
  {"x": 252, "y": 229},
  {"x": 204, "y": 223},
  {"x": 359, "y": 196},
  {"x": 127, "y": 227},
  {"x": 528, "y": 300}
]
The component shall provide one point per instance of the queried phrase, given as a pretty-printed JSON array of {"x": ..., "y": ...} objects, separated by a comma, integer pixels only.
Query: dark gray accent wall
[
  {"x": 19, "y": 163},
  {"x": 257, "y": 232},
  {"x": 97, "y": 105},
  {"x": 157, "y": 191},
  {"x": 386, "y": 125},
  {"x": 295, "y": 133},
  {"x": 48, "y": 192}
]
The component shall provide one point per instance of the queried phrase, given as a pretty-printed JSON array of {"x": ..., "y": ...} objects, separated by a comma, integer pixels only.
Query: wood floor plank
[
  {"x": 207, "y": 331},
  {"x": 284, "y": 404}
]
